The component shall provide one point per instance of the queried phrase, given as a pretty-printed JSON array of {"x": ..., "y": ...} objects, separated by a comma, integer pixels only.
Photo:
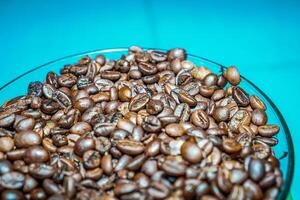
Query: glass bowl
[{"x": 284, "y": 149}]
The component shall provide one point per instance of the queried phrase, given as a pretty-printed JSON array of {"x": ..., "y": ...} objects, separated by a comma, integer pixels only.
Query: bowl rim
[{"x": 291, "y": 159}]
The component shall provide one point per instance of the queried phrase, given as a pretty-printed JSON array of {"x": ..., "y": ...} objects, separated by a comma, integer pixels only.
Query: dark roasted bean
[
  {"x": 191, "y": 152},
  {"x": 130, "y": 147},
  {"x": 240, "y": 96},
  {"x": 268, "y": 130},
  {"x": 200, "y": 118}
]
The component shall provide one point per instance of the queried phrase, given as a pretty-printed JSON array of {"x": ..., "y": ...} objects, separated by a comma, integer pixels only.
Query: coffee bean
[
  {"x": 268, "y": 130},
  {"x": 6, "y": 144},
  {"x": 199, "y": 118},
  {"x": 80, "y": 128},
  {"x": 125, "y": 94},
  {"x": 151, "y": 124},
  {"x": 241, "y": 117},
  {"x": 191, "y": 152},
  {"x": 41, "y": 170},
  {"x": 106, "y": 164},
  {"x": 259, "y": 117},
  {"x": 12, "y": 180},
  {"x": 173, "y": 167},
  {"x": 26, "y": 139},
  {"x": 186, "y": 98},
  {"x": 240, "y": 96},
  {"x": 12, "y": 194},
  {"x": 111, "y": 75},
  {"x": 6, "y": 119},
  {"x": 124, "y": 188},
  {"x": 136, "y": 162},
  {"x": 91, "y": 159},
  {"x": 67, "y": 80},
  {"x": 158, "y": 190},
  {"x": 231, "y": 146},
  {"x": 232, "y": 75},
  {"x": 154, "y": 107},
  {"x": 256, "y": 169},
  {"x": 29, "y": 184},
  {"x": 253, "y": 190},
  {"x": 84, "y": 144},
  {"x": 147, "y": 68},
  {"x": 138, "y": 102},
  {"x": 257, "y": 103},
  {"x": 83, "y": 104},
  {"x": 36, "y": 154},
  {"x": 221, "y": 114},
  {"x": 130, "y": 147},
  {"x": 175, "y": 130},
  {"x": 5, "y": 166},
  {"x": 176, "y": 53},
  {"x": 153, "y": 148}
]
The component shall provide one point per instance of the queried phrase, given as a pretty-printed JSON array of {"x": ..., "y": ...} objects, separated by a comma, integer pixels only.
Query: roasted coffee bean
[
  {"x": 232, "y": 75},
  {"x": 221, "y": 114},
  {"x": 186, "y": 98},
  {"x": 176, "y": 53},
  {"x": 6, "y": 144},
  {"x": 257, "y": 103},
  {"x": 6, "y": 119},
  {"x": 256, "y": 169},
  {"x": 153, "y": 148},
  {"x": 124, "y": 93},
  {"x": 91, "y": 159},
  {"x": 241, "y": 117},
  {"x": 151, "y": 124},
  {"x": 173, "y": 167},
  {"x": 36, "y": 154},
  {"x": 268, "y": 130},
  {"x": 147, "y": 68},
  {"x": 67, "y": 80},
  {"x": 111, "y": 75},
  {"x": 25, "y": 124},
  {"x": 231, "y": 146},
  {"x": 130, "y": 147},
  {"x": 84, "y": 144},
  {"x": 259, "y": 117},
  {"x": 41, "y": 170},
  {"x": 80, "y": 128},
  {"x": 26, "y": 139},
  {"x": 83, "y": 104},
  {"x": 106, "y": 164},
  {"x": 138, "y": 102},
  {"x": 12, "y": 180},
  {"x": 199, "y": 118},
  {"x": 240, "y": 96},
  {"x": 49, "y": 106},
  {"x": 210, "y": 80},
  {"x": 5, "y": 166},
  {"x": 158, "y": 190},
  {"x": 12, "y": 195},
  {"x": 61, "y": 98},
  {"x": 175, "y": 130},
  {"x": 154, "y": 107},
  {"x": 35, "y": 88},
  {"x": 29, "y": 184},
  {"x": 191, "y": 152}
]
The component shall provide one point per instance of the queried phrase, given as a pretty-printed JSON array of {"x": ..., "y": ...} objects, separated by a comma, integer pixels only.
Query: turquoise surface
[{"x": 260, "y": 37}]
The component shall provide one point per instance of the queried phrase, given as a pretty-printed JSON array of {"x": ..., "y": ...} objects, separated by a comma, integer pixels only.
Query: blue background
[{"x": 260, "y": 37}]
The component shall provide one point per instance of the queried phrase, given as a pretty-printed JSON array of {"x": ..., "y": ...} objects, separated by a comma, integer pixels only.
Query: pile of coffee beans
[{"x": 151, "y": 125}]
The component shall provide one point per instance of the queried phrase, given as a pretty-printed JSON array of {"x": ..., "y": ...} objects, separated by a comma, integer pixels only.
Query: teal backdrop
[{"x": 260, "y": 37}]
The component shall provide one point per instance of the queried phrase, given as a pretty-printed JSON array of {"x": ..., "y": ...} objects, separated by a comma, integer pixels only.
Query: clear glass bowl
[{"x": 18, "y": 86}]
